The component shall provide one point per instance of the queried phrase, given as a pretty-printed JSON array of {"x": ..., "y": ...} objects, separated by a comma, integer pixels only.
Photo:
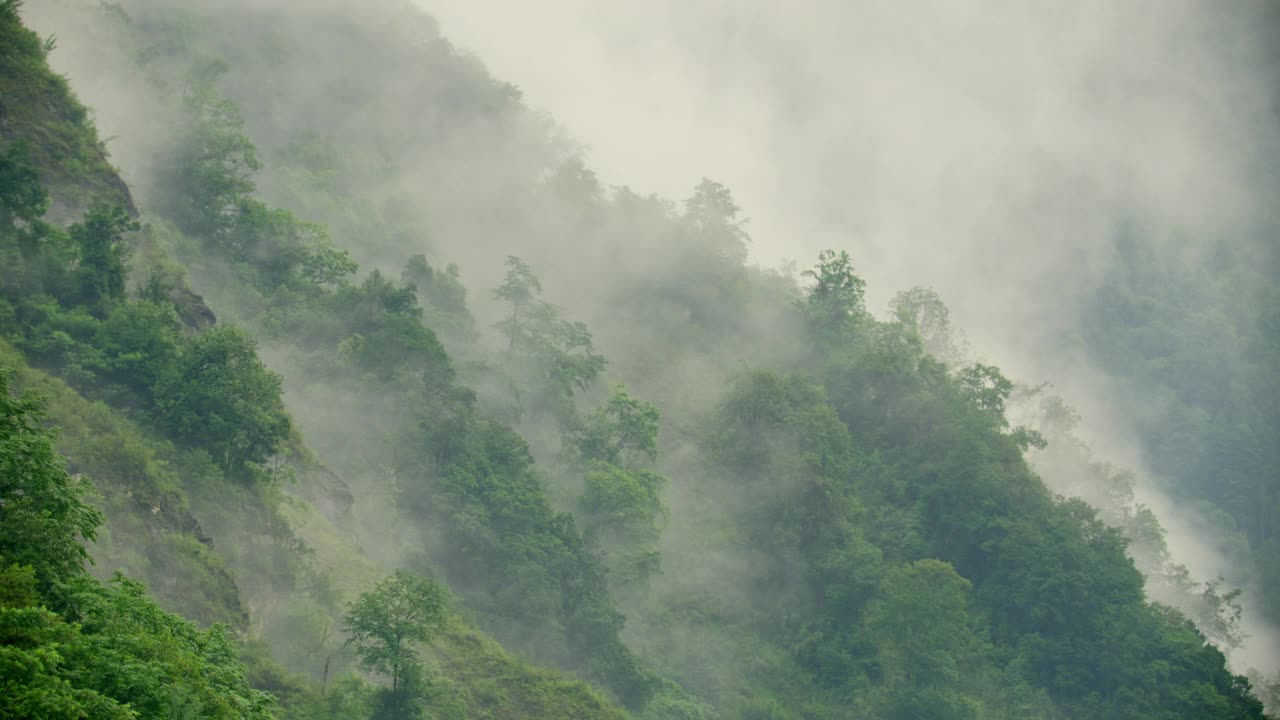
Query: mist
[
  {"x": 943, "y": 146},
  {"x": 1000, "y": 154},
  {"x": 987, "y": 150}
]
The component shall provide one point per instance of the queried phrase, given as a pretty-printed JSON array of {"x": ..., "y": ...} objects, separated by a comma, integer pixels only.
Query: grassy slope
[
  {"x": 146, "y": 485},
  {"x": 37, "y": 107},
  {"x": 150, "y": 532}
]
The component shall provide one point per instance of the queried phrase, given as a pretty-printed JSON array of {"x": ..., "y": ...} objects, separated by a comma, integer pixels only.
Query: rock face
[
  {"x": 328, "y": 493},
  {"x": 192, "y": 310}
]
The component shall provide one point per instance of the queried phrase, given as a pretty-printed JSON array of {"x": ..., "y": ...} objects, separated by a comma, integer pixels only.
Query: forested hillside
[{"x": 372, "y": 401}]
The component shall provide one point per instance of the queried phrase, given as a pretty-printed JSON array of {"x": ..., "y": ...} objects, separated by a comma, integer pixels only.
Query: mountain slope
[
  {"x": 151, "y": 480},
  {"x": 793, "y": 509}
]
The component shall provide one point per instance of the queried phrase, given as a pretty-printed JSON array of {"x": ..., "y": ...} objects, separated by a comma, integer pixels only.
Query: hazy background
[
  {"x": 942, "y": 144},
  {"x": 990, "y": 150}
]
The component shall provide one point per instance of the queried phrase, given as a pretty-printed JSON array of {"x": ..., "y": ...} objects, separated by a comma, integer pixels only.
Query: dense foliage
[
  {"x": 1194, "y": 337},
  {"x": 71, "y": 647},
  {"x": 188, "y": 421},
  {"x": 792, "y": 508}
]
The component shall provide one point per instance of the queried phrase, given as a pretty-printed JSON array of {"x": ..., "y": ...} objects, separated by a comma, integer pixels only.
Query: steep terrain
[
  {"x": 706, "y": 488},
  {"x": 186, "y": 512}
]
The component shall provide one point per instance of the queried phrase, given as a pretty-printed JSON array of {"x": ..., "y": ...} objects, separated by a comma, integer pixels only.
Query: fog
[
  {"x": 988, "y": 150},
  {"x": 1006, "y": 137}
]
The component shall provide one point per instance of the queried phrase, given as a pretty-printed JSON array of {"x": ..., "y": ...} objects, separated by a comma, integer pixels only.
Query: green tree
[
  {"x": 920, "y": 627},
  {"x": 921, "y": 311},
  {"x": 622, "y": 432},
  {"x": 138, "y": 344},
  {"x": 835, "y": 300},
  {"x": 160, "y": 664},
  {"x": 623, "y": 510},
  {"x": 520, "y": 564},
  {"x": 43, "y": 519},
  {"x": 715, "y": 220},
  {"x": 387, "y": 623},
  {"x": 213, "y": 171},
  {"x": 102, "y": 258},
  {"x": 33, "y": 681},
  {"x": 443, "y": 296},
  {"x": 621, "y": 504},
  {"x": 520, "y": 288},
  {"x": 71, "y": 647},
  {"x": 325, "y": 264},
  {"x": 23, "y": 201},
  {"x": 548, "y": 358},
  {"x": 987, "y": 387},
  {"x": 22, "y": 196},
  {"x": 919, "y": 624},
  {"x": 221, "y": 396}
]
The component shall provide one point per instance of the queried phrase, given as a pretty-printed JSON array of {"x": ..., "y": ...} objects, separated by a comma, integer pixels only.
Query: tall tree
[
  {"x": 621, "y": 505},
  {"x": 835, "y": 300},
  {"x": 387, "y": 624},
  {"x": 623, "y": 432},
  {"x": 548, "y": 358},
  {"x": 519, "y": 289},
  {"x": 921, "y": 311},
  {"x": 102, "y": 257}
]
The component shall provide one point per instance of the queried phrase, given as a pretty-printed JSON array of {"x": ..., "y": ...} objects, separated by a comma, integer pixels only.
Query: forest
[{"x": 334, "y": 383}]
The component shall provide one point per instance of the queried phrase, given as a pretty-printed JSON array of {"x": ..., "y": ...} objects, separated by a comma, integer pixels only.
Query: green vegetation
[
  {"x": 1194, "y": 343},
  {"x": 385, "y": 625},
  {"x": 70, "y": 646},
  {"x": 687, "y": 489},
  {"x": 183, "y": 420},
  {"x": 41, "y": 114}
]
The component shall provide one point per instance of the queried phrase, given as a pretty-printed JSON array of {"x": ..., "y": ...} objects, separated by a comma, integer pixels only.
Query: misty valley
[{"x": 337, "y": 382}]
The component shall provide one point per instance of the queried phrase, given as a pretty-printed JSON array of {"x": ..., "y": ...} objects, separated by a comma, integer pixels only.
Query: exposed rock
[{"x": 192, "y": 310}]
